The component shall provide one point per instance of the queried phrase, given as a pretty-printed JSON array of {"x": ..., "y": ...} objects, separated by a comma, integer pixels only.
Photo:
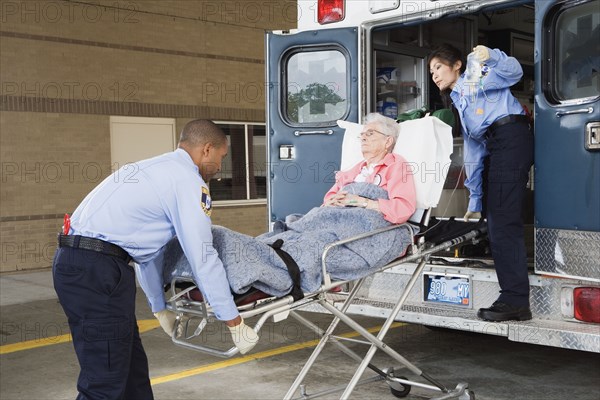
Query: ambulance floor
[{"x": 37, "y": 358}]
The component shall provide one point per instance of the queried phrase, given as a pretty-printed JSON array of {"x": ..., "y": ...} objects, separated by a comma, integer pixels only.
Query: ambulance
[{"x": 348, "y": 58}]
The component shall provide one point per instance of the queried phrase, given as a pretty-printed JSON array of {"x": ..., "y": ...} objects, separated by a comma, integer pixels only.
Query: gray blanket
[{"x": 251, "y": 262}]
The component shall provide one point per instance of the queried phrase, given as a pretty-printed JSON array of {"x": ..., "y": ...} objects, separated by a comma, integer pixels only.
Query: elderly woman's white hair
[{"x": 387, "y": 126}]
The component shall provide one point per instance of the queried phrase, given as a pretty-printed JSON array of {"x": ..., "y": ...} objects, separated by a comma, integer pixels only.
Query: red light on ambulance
[
  {"x": 329, "y": 11},
  {"x": 587, "y": 304}
]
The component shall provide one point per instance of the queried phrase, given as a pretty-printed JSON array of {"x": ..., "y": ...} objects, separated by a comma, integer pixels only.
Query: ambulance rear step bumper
[{"x": 562, "y": 334}]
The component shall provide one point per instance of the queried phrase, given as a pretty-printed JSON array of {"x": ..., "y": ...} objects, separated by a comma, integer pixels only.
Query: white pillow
[
  {"x": 426, "y": 143},
  {"x": 351, "y": 153}
]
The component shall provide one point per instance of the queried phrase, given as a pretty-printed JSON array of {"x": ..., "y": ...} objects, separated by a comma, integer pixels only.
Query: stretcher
[{"x": 427, "y": 145}]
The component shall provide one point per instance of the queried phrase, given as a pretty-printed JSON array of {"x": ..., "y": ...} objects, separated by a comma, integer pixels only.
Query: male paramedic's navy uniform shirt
[
  {"x": 479, "y": 106},
  {"x": 141, "y": 207}
]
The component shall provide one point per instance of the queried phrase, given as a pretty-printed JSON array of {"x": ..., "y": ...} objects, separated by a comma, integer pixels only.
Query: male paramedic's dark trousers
[
  {"x": 97, "y": 293},
  {"x": 510, "y": 148}
]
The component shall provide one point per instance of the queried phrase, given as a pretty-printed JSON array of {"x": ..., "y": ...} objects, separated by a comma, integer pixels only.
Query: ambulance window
[
  {"x": 577, "y": 67},
  {"x": 316, "y": 87}
]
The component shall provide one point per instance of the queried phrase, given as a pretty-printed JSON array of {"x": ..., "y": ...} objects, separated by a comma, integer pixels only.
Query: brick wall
[{"x": 67, "y": 66}]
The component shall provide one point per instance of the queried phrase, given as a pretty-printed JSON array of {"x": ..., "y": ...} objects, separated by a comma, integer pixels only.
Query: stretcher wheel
[{"x": 401, "y": 393}]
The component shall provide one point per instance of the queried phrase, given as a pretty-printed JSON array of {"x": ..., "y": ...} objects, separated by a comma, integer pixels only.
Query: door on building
[{"x": 135, "y": 138}]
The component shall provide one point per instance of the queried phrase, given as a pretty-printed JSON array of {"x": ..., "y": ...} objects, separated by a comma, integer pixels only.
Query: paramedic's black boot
[{"x": 500, "y": 311}]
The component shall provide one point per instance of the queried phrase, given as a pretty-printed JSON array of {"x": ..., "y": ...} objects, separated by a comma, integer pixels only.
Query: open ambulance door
[
  {"x": 312, "y": 81},
  {"x": 567, "y": 137}
]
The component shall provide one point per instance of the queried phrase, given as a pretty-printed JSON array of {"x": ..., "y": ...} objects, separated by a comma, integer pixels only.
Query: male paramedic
[{"x": 130, "y": 216}]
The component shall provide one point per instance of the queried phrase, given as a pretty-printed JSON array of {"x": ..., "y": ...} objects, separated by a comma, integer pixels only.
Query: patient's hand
[
  {"x": 337, "y": 200},
  {"x": 354, "y": 200},
  {"x": 345, "y": 199}
]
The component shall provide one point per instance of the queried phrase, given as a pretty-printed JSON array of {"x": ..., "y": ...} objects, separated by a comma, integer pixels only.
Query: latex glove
[
  {"x": 472, "y": 215},
  {"x": 482, "y": 53},
  {"x": 244, "y": 337},
  {"x": 166, "y": 319}
]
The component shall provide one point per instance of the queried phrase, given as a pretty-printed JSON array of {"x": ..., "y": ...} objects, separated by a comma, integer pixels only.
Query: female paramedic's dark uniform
[{"x": 497, "y": 134}]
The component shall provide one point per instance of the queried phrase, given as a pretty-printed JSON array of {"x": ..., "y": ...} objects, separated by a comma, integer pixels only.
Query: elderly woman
[{"x": 380, "y": 167}]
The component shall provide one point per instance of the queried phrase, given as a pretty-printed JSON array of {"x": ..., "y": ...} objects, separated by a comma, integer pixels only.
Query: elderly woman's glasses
[{"x": 370, "y": 132}]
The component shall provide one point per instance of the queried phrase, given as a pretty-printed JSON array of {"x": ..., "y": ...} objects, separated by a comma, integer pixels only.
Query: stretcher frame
[{"x": 419, "y": 251}]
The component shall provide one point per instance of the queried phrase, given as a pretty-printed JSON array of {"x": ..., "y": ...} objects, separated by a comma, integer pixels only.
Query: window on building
[{"x": 243, "y": 174}]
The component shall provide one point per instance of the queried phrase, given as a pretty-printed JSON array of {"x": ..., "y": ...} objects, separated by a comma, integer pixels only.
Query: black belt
[
  {"x": 88, "y": 243},
  {"x": 509, "y": 119}
]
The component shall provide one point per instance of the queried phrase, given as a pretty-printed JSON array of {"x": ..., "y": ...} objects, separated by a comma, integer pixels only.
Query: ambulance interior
[{"x": 401, "y": 82}]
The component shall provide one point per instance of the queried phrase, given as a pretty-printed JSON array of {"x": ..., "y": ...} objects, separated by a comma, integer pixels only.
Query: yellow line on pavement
[
  {"x": 143, "y": 325},
  {"x": 32, "y": 344},
  {"x": 149, "y": 324},
  {"x": 146, "y": 325},
  {"x": 256, "y": 356}
]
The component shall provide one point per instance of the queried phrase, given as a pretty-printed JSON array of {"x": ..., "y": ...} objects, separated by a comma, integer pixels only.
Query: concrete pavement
[{"x": 37, "y": 359}]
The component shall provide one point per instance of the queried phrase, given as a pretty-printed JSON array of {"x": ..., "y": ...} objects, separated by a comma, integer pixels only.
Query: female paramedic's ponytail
[{"x": 449, "y": 55}]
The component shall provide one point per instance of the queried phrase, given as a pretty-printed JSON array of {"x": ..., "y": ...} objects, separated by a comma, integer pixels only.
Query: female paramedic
[{"x": 497, "y": 158}]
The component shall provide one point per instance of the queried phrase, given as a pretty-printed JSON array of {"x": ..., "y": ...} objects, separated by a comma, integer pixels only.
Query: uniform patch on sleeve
[{"x": 206, "y": 202}]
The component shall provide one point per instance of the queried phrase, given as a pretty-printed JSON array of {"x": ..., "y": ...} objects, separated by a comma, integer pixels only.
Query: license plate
[{"x": 448, "y": 289}]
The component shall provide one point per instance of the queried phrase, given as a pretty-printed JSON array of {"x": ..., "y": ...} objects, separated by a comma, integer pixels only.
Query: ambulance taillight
[
  {"x": 586, "y": 301},
  {"x": 329, "y": 11}
]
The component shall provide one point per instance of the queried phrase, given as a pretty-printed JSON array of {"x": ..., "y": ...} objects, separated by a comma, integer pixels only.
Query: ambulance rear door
[
  {"x": 567, "y": 138},
  {"x": 312, "y": 81}
]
